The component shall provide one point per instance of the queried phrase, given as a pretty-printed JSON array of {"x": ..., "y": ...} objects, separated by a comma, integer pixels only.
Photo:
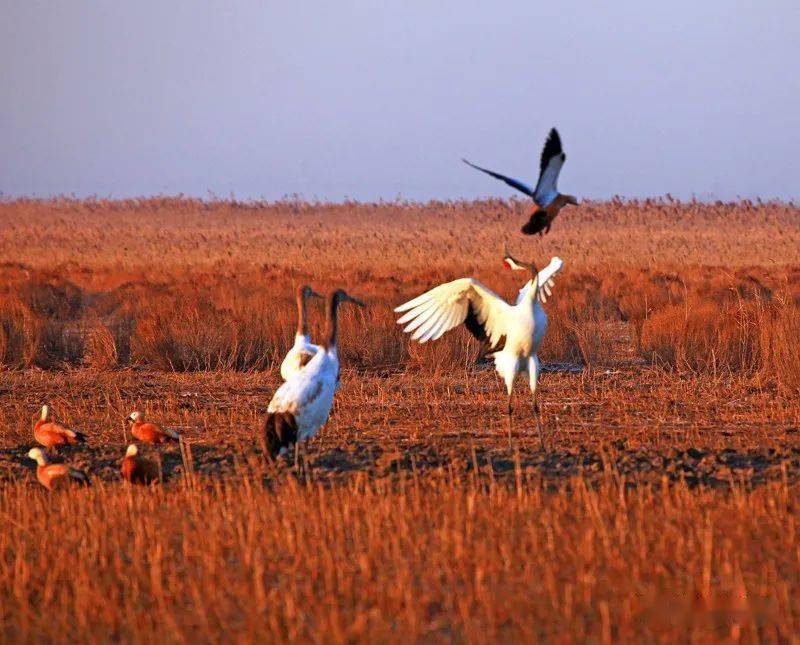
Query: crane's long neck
[
  {"x": 332, "y": 316},
  {"x": 532, "y": 294},
  {"x": 302, "y": 319}
]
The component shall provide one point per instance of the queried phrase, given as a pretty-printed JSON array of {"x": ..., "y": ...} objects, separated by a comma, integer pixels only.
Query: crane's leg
[
  {"x": 534, "y": 368},
  {"x": 509, "y": 381},
  {"x": 510, "y": 412}
]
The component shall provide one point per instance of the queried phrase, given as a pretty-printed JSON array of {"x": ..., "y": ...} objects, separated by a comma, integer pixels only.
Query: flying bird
[
  {"x": 301, "y": 406},
  {"x": 546, "y": 194},
  {"x": 150, "y": 432},
  {"x": 55, "y": 476},
  {"x": 513, "y": 332},
  {"x": 303, "y": 349},
  {"x": 52, "y": 435},
  {"x": 136, "y": 469}
]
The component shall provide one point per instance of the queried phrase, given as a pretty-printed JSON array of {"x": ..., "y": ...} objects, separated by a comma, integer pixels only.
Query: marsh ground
[{"x": 662, "y": 505}]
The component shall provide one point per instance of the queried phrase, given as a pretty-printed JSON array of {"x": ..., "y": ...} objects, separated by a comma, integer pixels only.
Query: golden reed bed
[{"x": 664, "y": 507}]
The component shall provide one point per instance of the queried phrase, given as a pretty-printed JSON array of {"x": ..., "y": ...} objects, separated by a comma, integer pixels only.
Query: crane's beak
[
  {"x": 512, "y": 263},
  {"x": 314, "y": 294},
  {"x": 350, "y": 298}
]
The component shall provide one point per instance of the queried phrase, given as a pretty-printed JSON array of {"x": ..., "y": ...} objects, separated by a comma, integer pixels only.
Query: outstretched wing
[
  {"x": 447, "y": 306},
  {"x": 545, "y": 281},
  {"x": 553, "y": 158},
  {"x": 514, "y": 183}
]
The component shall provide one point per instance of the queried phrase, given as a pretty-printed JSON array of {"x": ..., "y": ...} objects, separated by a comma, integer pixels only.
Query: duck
[
  {"x": 546, "y": 196},
  {"x": 53, "y": 435},
  {"x": 149, "y": 432},
  {"x": 138, "y": 470},
  {"x": 56, "y": 476}
]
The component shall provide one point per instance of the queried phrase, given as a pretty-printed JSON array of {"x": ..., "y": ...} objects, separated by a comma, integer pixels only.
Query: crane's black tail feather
[{"x": 280, "y": 431}]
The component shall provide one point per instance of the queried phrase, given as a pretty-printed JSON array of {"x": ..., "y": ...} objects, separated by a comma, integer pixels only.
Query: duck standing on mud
[
  {"x": 147, "y": 432},
  {"x": 55, "y": 476},
  {"x": 53, "y": 435}
]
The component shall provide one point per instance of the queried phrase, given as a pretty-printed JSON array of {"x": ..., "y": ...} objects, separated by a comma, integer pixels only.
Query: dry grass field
[{"x": 664, "y": 504}]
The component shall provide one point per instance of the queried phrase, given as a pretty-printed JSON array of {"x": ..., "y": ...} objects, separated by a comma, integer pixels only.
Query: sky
[{"x": 379, "y": 100}]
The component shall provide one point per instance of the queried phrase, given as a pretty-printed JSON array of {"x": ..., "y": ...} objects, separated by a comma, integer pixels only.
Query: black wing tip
[
  {"x": 472, "y": 165},
  {"x": 280, "y": 431},
  {"x": 552, "y": 148}
]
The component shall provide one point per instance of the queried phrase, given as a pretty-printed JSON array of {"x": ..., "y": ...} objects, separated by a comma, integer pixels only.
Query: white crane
[
  {"x": 514, "y": 332},
  {"x": 301, "y": 406},
  {"x": 303, "y": 349}
]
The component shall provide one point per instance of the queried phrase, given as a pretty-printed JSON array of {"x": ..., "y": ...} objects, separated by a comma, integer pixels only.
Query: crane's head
[
  {"x": 570, "y": 199},
  {"x": 307, "y": 292},
  {"x": 45, "y": 413},
  {"x": 514, "y": 264},
  {"x": 132, "y": 450},
  {"x": 340, "y": 295}
]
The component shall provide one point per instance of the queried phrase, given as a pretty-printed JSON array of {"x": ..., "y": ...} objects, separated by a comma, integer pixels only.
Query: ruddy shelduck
[
  {"x": 55, "y": 476},
  {"x": 52, "y": 435},
  {"x": 150, "y": 432},
  {"x": 545, "y": 195},
  {"x": 138, "y": 470}
]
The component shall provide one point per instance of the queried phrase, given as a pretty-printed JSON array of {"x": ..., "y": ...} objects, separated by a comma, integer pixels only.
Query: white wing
[
  {"x": 546, "y": 282},
  {"x": 448, "y": 305},
  {"x": 301, "y": 388},
  {"x": 547, "y": 189},
  {"x": 550, "y": 163}
]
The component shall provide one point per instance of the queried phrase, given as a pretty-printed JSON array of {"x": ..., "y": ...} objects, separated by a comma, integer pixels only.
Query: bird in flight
[{"x": 546, "y": 195}]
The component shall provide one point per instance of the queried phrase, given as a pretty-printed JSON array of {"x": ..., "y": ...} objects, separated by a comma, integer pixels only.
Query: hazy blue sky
[{"x": 366, "y": 100}]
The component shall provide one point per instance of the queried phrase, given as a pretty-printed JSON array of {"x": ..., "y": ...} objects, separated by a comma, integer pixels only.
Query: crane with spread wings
[{"x": 514, "y": 332}]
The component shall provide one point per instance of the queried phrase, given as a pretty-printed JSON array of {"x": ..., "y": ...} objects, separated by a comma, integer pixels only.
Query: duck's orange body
[
  {"x": 151, "y": 433},
  {"x": 542, "y": 219},
  {"x": 137, "y": 470},
  {"x": 52, "y": 435},
  {"x": 147, "y": 432},
  {"x": 56, "y": 476}
]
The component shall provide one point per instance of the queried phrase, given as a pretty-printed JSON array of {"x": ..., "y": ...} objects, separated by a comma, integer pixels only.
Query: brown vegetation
[
  {"x": 664, "y": 506},
  {"x": 440, "y": 559}
]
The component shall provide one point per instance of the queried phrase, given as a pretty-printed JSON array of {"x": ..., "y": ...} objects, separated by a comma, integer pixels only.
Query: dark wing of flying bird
[{"x": 514, "y": 183}]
